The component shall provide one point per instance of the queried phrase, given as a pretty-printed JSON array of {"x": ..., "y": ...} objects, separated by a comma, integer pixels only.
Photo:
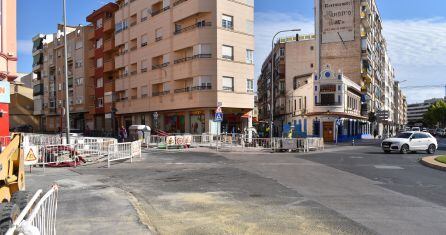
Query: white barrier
[
  {"x": 40, "y": 216},
  {"x": 123, "y": 151}
]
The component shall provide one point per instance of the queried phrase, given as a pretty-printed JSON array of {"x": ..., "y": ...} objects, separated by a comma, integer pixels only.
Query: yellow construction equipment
[{"x": 12, "y": 183}]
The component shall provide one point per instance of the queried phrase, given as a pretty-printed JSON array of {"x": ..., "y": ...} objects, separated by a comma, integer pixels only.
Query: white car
[{"x": 410, "y": 141}]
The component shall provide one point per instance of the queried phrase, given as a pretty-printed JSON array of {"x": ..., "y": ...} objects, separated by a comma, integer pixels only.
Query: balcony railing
[
  {"x": 157, "y": 12},
  {"x": 157, "y": 39},
  {"x": 191, "y": 27},
  {"x": 178, "y": 2},
  {"x": 158, "y": 66},
  {"x": 228, "y": 57},
  {"x": 199, "y": 56},
  {"x": 144, "y": 70},
  {"x": 160, "y": 93},
  {"x": 195, "y": 88},
  {"x": 328, "y": 104}
]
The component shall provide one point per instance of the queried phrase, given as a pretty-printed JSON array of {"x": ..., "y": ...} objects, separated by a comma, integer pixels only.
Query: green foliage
[
  {"x": 441, "y": 159},
  {"x": 436, "y": 114}
]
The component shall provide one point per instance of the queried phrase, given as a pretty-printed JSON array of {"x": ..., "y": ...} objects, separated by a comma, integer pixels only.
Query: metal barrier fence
[
  {"x": 40, "y": 216},
  {"x": 234, "y": 142},
  {"x": 123, "y": 151}
]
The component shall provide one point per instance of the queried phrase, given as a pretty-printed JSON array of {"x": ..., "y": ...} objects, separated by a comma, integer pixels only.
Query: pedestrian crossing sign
[{"x": 218, "y": 117}]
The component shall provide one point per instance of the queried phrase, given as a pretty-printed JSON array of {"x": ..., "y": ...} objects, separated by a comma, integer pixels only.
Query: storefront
[{"x": 197, "y": 122}]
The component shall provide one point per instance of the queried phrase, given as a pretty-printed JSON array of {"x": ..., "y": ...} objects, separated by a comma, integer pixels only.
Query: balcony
[
  {"x": 199, "y": 56},
  {"x": 159, "y": 11},
  {"x": 190, "y": 7},
  {"x": 90, "y": 53},
  {"x": 191, "y": 89},
  {"x": 160, "y": 93},
  {"x": 108, "y": 25},
  {"x": 192, "y": 27},
  {"x": 178, "y": 2},
  {"x": 108, "y": 66},
  {"x": 159, "y": 66},
  {"x": 108, "y": 45}
]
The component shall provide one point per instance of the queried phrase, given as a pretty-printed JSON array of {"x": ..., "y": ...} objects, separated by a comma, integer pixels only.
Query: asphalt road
[{"x": 344, "y": 190}]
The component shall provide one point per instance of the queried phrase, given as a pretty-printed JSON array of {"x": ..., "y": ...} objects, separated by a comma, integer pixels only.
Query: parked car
[
  {"x": 415, "y": 128},
  {"x": 441, "y": 132},
  {"x": 409, "y": 141}
]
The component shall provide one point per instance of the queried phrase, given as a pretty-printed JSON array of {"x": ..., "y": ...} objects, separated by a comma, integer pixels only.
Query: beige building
[
  {"x": 306, "y": 104},
  {"x": 178, "y": 60},
  {"x": 49, "y": 83}
]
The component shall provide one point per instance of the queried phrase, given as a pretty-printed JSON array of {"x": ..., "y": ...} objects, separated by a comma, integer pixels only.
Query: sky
[{"x": 415, "y": 33}]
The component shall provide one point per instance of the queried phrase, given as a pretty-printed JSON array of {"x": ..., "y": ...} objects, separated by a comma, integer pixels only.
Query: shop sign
[{"x": 337, "y": 21}]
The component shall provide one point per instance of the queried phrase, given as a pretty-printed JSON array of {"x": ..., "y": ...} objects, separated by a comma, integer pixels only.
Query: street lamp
[
  {"x": 67, "y": 103},
  {"x": 272, "y": 78}
]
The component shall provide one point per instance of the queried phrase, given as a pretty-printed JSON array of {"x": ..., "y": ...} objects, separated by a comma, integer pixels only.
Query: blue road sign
[{"x": 218, "y": 117}]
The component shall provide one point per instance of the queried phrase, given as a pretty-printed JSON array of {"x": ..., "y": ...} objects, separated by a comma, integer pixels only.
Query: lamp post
[
  {"x": 67, "y": 102},
  {"x": 272, "y": 79}
]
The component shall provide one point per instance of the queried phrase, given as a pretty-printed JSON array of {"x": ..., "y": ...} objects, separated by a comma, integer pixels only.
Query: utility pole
[
  {"x": 271, "y": 132},
  {"x": 67, "y": 102}
]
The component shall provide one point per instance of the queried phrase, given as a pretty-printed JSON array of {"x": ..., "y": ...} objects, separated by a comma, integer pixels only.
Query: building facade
[
  {"x": 177, "y": 61},
  {"x": 355, "y": 46},
  {"x": 8, "y": 59},
  {"x": 415, "y": 112},
  {"x": 305, "y": 104},
  {"x": 49, "y": 82},
  {"x": 101, "y": 76}
]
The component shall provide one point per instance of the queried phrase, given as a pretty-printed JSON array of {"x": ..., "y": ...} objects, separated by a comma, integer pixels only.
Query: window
[
  {"x": 78, "y": 64},
  {"x": 327, "y": 99},
  {"x": 99, "y": 23},
  {"x": 144, "y": 40},
  {"x": 249, "y": 56},
  {"x": 282, "y": 86},
  {"x": 144, "y": 14},
  {"x": 202, "y": 49},
  {"x": 100, "y": 102},
  {"x": 250, "y": 85},
  {"x": 108, "y": 97},
  {"x": 79, "y": 81},
  {"x": 144, "y": 91},
  {"x": 228, "y": 83},
  {"x": 144, "y": 65},
  {"x": 282, "y": 51},
  {"x": 228, "y": 52},
  {"x": 227, "y": 22},
  {"x": 99, "y": 63},
  {"x": 99, "y": 43},
  {"x": 203, "y": 82},
  {"x": 60, "y": 87},
  {"x": 118, "y": 27},
  {"x": 100, "y": 82},
  {"x": 158, "y": 34}
]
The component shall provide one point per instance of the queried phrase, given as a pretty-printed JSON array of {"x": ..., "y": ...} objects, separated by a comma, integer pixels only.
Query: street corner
[{"x": 433, "y": 163}]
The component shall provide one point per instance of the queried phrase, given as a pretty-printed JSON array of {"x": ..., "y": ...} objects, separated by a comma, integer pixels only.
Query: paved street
[{"x": 344, "y": 190}]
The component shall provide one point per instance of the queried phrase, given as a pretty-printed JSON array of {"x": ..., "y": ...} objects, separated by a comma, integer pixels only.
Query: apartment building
[
  {"x": 8, "y": 59},
  {"x": 416, "y": 111},
  {"x": 177, "y": 61},
  {"x": 399, "y": 108},
  {"x": 304, "y": 103},
  {"x": 352, "y": 43},
  {"x": 101, "y": 75},
  {"x": 49, "y": 83}
]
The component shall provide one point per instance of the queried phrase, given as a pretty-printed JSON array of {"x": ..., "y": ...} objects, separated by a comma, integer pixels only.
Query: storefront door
[{"x": 328, "y": 131}]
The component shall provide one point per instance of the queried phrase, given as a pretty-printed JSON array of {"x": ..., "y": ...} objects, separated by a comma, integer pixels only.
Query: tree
[{"x": 436, "y": 114}]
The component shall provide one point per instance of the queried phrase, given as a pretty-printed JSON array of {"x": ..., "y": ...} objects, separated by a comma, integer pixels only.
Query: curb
[{"x": 431, "y": 162}]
